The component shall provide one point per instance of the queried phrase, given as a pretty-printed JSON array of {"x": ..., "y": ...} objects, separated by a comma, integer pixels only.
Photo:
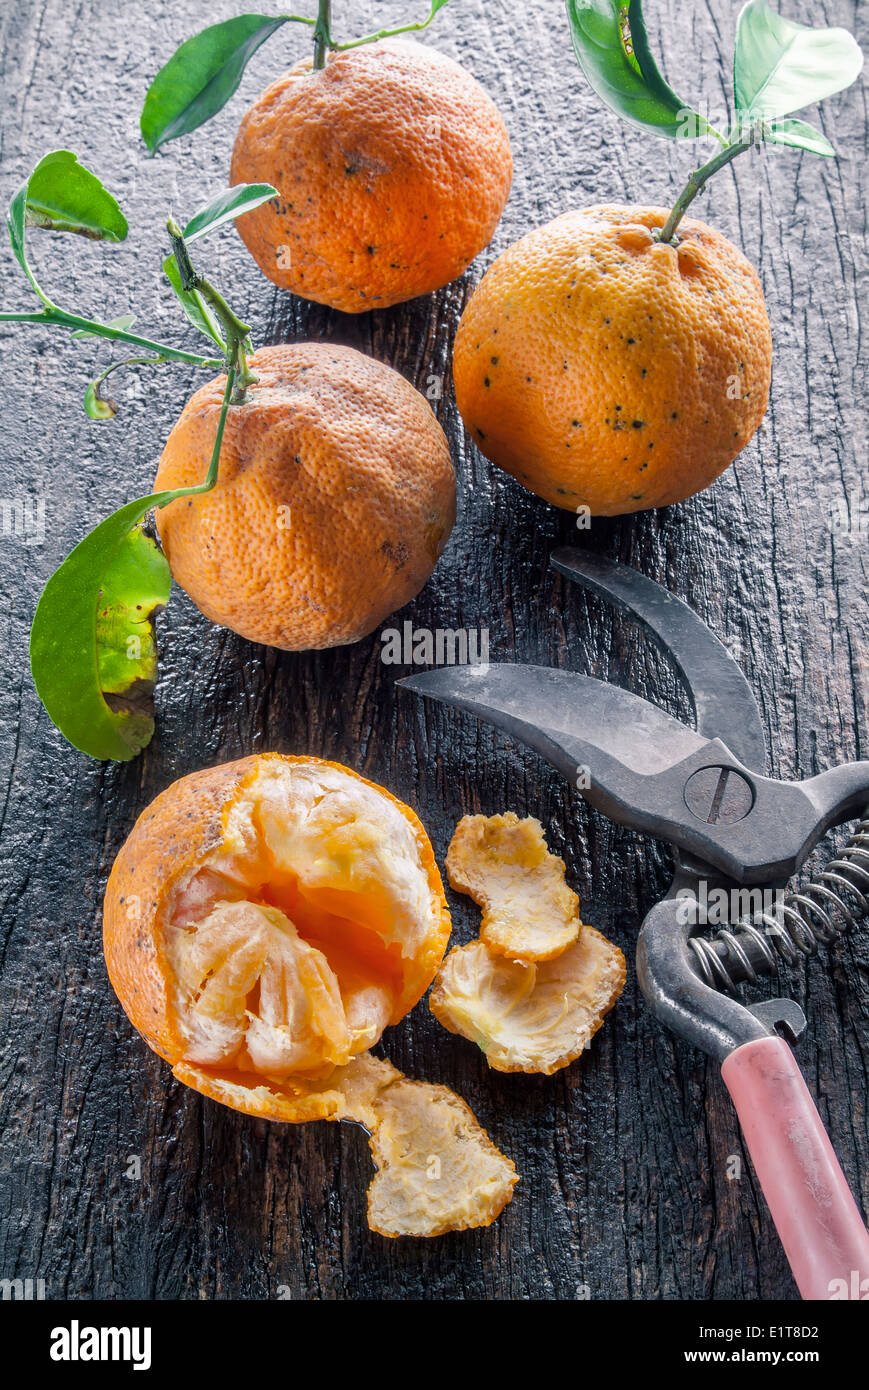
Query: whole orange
[
  {"x": 605, "y": 369},
  {"x": 334, "y": 499},
  {"x": 392, "y": 165}
]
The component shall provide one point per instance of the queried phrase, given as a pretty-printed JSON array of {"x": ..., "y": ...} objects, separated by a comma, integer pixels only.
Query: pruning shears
[{"x": 705, "y": 792}]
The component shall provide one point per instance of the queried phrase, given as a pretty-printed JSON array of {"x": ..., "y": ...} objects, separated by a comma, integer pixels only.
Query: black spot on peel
[
  {"x": 396, "y": 555},
  {"x": 638, "y": 424}
]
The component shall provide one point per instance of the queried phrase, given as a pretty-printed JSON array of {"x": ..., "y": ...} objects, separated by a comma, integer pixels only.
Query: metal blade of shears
[{"x": 724, "y": 704}]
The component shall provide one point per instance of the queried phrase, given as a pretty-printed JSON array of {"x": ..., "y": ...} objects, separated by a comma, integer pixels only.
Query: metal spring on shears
[{"x": 823, "y": 909}]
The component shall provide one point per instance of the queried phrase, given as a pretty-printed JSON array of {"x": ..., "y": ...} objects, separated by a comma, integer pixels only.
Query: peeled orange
[{"x": 263, "y": 923}]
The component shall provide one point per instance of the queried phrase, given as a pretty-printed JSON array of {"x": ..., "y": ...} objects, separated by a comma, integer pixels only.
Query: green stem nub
[{"x": 696, "y": 183}]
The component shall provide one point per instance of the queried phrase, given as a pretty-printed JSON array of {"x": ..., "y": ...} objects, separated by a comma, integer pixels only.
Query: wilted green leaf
[
  {"x": 612, "y": 48},
  {"x": 135, "y": 586},
  {"x": 99, "y": 604},
  {"x": 201, "y": 76},
  {"x": 232, "y": 203},
  {"x": 98, "y": 407},
  {"x": 780, "y": 66}
]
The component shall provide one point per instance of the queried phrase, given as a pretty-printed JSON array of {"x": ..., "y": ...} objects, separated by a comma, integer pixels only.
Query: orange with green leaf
[
  {"x": 619, "y": 357},
  {"x": 392, "y": 164}
]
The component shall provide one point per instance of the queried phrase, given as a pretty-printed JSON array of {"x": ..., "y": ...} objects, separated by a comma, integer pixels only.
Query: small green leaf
[
  {"x": 194, "y": 306},
  {"x": 780, "y": 66},
  {"x": 100, "y": 602},
  {"x": 232, "y": 203},
  {"x": 15, "y": 222},
  {"x": 96, "y": 406},
  {"x": 65, "y": 197},
  {"x": 123, "y": 321},
  {"x": 799, "y": 134},
  {"x": 612, "y": 48},
  {"x": 201, "y": 76}
]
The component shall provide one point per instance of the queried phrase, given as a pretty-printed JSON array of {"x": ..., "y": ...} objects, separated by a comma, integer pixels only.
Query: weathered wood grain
[{"x": 623, "y": 1157}]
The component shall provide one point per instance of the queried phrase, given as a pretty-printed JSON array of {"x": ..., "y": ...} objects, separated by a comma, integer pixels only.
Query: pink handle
[{"x": 822, "y": 1231}]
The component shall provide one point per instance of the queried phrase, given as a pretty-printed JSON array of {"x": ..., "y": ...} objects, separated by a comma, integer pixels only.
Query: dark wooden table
[{"x": 624, "y": 1157}]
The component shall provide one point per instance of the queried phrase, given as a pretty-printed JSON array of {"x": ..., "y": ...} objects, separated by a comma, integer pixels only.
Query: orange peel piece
[
  {"x": 503, "y": 863},
  {"x": 436, "y": 1169},
  {"x": 534, "y": 1017}
]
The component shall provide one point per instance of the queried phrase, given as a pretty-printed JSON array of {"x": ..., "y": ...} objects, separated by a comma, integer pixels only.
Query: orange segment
[
  {"x": 536, "y": 1017},
  {"x": 529, "y": 913}
]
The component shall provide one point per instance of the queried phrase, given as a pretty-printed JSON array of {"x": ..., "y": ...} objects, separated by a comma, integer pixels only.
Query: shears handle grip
[{"x": 820, "y": 1227}]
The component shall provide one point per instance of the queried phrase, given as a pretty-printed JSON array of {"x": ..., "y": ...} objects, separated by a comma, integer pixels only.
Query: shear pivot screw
[{"x": 718, "y": 795}]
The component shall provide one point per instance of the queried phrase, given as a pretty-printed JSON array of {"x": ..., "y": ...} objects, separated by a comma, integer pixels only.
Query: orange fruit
[
  {"x": 607, "y": 370},
  {"x": 266, "y": 919},
  {"x": 335, "y": 497},
  {"x": 263, "y": 923},
  {"x": 392, "y": 167}
]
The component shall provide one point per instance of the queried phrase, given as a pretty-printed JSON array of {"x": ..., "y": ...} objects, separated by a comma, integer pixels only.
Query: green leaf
[
  {"x": 99, "y": 605},
  {"x": 65, "y": 197},
  {"x": 15, "y": 223},
  {"x": 232, "y": 203},
  {"x": 135, "y": 586},
  {"x": 123, "y": 321},
  {"x": 201, "y": 76},
  {"x": 780, "y": 66},
  {"x": 98, "y": 407},
  {"x": 195, "y": 307},
  {"x": 612, "y": 47},
  {"x": 800, "y": 134}
]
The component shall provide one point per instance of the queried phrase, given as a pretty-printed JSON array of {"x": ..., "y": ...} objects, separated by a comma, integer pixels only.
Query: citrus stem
[
  {"x": 696, "y": 183},
  {"x": 211, "y": 476},
  {"x": 322, "y": 33},
  {"x": 61, "y": 319},
  {"x": 383, "y": 34},
  {"x": 237, "y": 333}
]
